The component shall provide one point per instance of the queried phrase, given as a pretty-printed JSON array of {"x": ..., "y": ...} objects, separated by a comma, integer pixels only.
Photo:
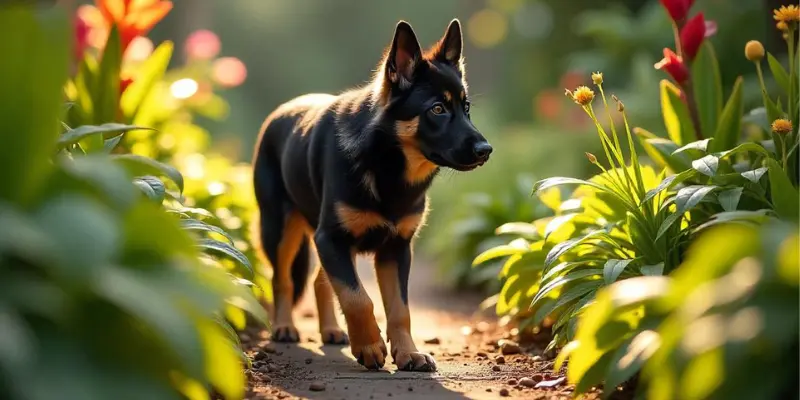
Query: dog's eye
[
  {"x": 467, "y": 105},
  {"x": 437, "y": 109}
]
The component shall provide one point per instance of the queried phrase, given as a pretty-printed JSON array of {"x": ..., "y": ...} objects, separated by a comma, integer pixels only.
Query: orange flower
[{"x": 132, "y": 17}]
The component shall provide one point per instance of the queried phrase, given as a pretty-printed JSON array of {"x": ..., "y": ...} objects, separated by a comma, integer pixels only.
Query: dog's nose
[{"x": 482, "y": 149}]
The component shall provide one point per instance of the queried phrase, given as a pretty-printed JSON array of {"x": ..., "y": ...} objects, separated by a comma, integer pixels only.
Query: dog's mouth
[{"x": 442, "y": 162}]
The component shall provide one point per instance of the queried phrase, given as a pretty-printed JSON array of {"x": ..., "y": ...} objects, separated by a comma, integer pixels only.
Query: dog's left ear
[{"x": 450, "y": 46}]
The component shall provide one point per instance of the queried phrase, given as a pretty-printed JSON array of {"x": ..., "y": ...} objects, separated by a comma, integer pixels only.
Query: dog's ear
[
  {"x": 450, "y": 46},
  {"x": 404, "y": 55}
]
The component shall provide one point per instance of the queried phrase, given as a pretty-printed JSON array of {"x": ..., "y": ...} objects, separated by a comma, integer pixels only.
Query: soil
[{"x": 464, "y": 343}]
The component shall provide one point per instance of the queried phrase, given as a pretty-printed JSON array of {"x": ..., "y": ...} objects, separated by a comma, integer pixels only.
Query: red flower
[
  {"x": 123, "y": 84},
  {"x": 677, "y": 9},
  {"x": 674, "y": 66},
  {"x": 692, "y": 35},
  {"x": 132, "y": 17},
  {"x": 81, "y": 37}
]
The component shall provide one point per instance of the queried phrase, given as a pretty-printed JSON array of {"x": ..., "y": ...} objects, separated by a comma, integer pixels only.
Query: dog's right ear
[{"x": 404, "y": 55}]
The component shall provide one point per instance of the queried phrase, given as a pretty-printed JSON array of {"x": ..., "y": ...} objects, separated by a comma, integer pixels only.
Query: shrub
[
  {"x": 104, "y": 295},
  {"x": 584, "y": 267}
]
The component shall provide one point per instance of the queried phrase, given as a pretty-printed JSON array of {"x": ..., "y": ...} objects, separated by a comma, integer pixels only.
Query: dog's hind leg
[{"x": 329, "y": 327}]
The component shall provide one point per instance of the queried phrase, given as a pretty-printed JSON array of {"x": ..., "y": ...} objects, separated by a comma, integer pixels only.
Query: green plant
[{"x": 104, "y": 295}]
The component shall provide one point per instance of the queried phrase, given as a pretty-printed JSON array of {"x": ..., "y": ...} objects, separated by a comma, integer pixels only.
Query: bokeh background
[{"x": 520, "y": 56}]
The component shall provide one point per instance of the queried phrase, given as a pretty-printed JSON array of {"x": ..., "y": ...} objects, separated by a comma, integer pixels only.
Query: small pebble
[
  {"x": 309, "y": 361},
  {"x": 488, "y": 389},
  {"x": 509, "y": 347},
  {"x": 434, "y": 340},
  {"x": 264, "y": 369},
  {"x": 504, "y": 392},
  {"x": 410, "y": 389},
  {"x": 537, "y": 378},
  {"x": 536, "y": 358},
  {"x": 317, "y": 386},
  {"x": 512, "y": 381},
  {"x": 272, "y": 368},
  {"x": 495, "y": 368},
  {"x": 482, "y": 354},
  {"x": 527, "y": 382},
  {"x": 500, "y": 360}
]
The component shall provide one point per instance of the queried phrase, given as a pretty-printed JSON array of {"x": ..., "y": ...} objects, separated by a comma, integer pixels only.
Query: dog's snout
[{"x": 482, "y": 149}]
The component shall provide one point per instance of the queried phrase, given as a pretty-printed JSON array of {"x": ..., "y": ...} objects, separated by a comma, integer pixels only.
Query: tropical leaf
[
  {"x": 139, "y": 165},
  {"x": 707, "y": 165},
  {"x": 227, "y": 250},
  {"x": 729, "y": 199},
  {"x": 729, "y": 128},
  {"x": 700, "y": 145},
  {"x": 73, "y": 136},
  {"x": 613, "y": 268}
]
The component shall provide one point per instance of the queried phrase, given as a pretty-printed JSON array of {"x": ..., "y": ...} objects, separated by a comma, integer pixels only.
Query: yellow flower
[
  {"x": 754, "y": 50},
  {"x": 781, "y": 126},
  {"x": 597, "y": 78},
  {"x": 787, "y": 14},
  {"x": 782, "y": 26},
  {"x": 583, "y": 95}
]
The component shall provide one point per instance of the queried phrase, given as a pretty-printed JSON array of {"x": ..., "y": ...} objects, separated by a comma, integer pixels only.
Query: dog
[{"x": 346, "y": 174}]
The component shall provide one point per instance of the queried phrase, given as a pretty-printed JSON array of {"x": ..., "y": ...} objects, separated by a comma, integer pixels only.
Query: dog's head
[{"x": 426, "y": 94}]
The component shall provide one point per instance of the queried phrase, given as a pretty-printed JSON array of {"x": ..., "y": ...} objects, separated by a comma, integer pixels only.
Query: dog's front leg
[
  {"x": 392, "y": 267},
  {"x": 365, "y": 337}
]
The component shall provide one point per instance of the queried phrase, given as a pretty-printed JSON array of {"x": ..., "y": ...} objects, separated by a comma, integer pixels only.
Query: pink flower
[
  {"x": 202, "y": 45},
  {"x": 678, "y": 10},
  {"x": 81, "y": 37},
  {"x": 229, "y": 72}
]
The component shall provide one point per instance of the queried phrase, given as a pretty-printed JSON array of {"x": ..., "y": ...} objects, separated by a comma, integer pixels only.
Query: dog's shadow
[{"x": 311, "y": 370}]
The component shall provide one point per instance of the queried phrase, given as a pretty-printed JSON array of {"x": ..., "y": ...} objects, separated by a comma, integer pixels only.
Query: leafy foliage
[{"x": 105, "y": 292}]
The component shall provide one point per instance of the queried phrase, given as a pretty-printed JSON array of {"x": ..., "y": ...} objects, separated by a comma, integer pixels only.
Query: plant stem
[
  {"x": 693, "y": 113},
  {"x": 676, "y": 31},
  {"x": 783, "y": 152},
  {"x": 792, "y": 94}
]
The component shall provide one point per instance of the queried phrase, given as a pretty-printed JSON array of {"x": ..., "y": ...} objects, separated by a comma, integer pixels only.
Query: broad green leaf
[
  {"x": 582, "y": 274},
  {"x": 110, "y": 180},
  {"x": 149, "y": 73},
  {"x": 652, "y": 270},
  {"x": 778, "y": 72},
  {"x": 784, "y": 195},
  {"x": 660, "y": 150},
  {"x": 75, "y": 135},
  {"x": 707, "y": 85},
  {"x": 729, "y": 128},
  {"x": 569, "y": 295},
  {"x": 553, "y": 182},
  {"x": 34, "y": 56},
  {"x": 669, "y": 182},
  {"x": 676, "y": 114},
  {"x": 152, "y": 187},
  {"x": 524, "y": 229},
  {"x": 193, "y": 224},
  {"x": 700, "y": 145},
  {"x": 515, "y": 247},
  {"x": 631, "y": 356},
  {"x": 110, "y": 144},
  {"x": 729, "y": 199},
  {"x": 202, "y": 212},
  {"x": 685, "y": 199},
  {"x": 707, "y": 165},
  {"x": 108, "y": 84},
  {"x": 139, "y": 165},
  {"x": 613, "y": 268},
  {"x": 563, "y": 268},
  {"x": 753, "y": 217},
  {"x": 755, "y": 175},
  {"x": 749, "y": 146},
  {"x": 562, "y": 248},
  {"x": 223, "y": 365},
  {"x": 133, "y": 291},
  {"x": 227, "y": 250}
]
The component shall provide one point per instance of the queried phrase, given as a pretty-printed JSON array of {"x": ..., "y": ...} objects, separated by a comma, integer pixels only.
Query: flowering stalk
[{"x": 623, "y": 165}]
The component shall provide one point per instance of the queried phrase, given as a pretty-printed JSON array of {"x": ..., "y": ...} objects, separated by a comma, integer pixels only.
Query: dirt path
[{"x": 467, "y": 365}]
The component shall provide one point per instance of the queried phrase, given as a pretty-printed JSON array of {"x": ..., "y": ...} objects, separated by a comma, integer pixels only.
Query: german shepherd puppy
[{"x": 348, "y": 174}]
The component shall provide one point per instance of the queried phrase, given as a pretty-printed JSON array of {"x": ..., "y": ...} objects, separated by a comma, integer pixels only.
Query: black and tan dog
[{"x": 348, "y": 174}]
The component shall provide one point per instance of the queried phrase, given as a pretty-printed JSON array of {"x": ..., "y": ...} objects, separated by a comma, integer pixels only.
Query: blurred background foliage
[{"x": 520, "y": 55}]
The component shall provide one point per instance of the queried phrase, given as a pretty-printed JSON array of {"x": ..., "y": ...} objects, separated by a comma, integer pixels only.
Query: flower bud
[
  {"x": 583, "y": 95},
  {"x": 781, "y": 126},
  {"x": 754, "y": 51},
  {"x": 597, "y": 78},
  {"x": 591, "y": 157}
]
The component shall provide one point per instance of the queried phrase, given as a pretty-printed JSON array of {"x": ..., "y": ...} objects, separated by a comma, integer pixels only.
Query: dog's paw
[
  {"x": 372, "y": 356},
  {"x": 334, "y": 336},
  {"x": 285, "y": 334},
  {"x": 414, "y": 361}
]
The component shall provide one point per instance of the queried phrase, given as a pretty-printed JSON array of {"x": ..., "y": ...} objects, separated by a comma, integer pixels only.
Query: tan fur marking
[
  {"x": 398, "y": 317},
  {"x": 448, "y": 96},
  {"x": 323, "y": 293},
  {"x": 409, "y": 225},
  {"x": 463, "y": 95},
  {"x": 358, "y": 221},
  {"x": 418, "y": 168},
  {"x": 365, "y": 336},
  {"x": 294, "y": 229}
]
